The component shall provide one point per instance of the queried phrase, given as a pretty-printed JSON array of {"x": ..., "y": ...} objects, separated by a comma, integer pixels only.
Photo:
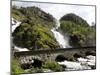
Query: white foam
[
  {"x": 72, "y": 65},
  {"x": 80, "y": 64},
  {"x": 82, "y": 59},
  {"x": 15, "y": 24},
  {"x": 21, "y": 49}
]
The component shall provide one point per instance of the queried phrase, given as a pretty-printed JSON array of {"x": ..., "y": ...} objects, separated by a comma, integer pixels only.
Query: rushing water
[
  {"x": 81, "y": 64},
  {"x": 20, "y": 49},
  {"x": 59, "y": 37},
  {"x": 15, "y": 24}
]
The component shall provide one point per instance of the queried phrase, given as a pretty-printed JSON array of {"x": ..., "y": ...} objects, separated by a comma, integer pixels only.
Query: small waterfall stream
[
  {"x": 15, "y": 24},
  {"x": 59, "y": 37}
]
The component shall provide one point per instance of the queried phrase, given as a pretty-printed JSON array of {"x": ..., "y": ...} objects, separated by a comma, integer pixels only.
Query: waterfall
[
  {"x": 59, "y": 37},
  {"x": 20, "y": 49},
  {"x": 15, "y": 24}
]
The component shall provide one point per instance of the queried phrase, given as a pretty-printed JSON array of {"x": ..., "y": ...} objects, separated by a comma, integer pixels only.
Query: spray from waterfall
[{"x": 59, "y": 37}]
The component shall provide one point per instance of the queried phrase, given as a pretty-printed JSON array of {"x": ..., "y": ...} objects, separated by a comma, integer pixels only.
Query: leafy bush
[
  {"x": 53, "y": 65},
  {"x": 16, "y": 69}
]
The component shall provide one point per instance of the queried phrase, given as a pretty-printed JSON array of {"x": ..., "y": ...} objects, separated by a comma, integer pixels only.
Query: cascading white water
[
  {"x": 20, "y": 49},
  {"x": 80, "y": 64},
  {"x": 15, "y": 24},
  {"x": 59, "y": 37}
]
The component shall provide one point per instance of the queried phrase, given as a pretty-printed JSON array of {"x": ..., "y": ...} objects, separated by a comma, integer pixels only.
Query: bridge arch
[{"x": 60, "y": 58}]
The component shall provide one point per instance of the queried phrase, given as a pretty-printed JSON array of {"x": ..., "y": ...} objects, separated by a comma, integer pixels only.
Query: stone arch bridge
[{"x": 26, "y": 56}]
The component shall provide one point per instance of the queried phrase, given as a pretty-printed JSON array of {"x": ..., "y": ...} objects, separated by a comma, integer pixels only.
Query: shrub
[
  {"x": 16, "y": 69},
  {"x": 53, "y": 65},
  {"x": 36, "y": 70}
]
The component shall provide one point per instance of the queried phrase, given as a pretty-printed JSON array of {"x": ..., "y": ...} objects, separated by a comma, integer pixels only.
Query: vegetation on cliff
[
  {"x": 35, "y": 29},
  {"x": 79, "y": 31}
]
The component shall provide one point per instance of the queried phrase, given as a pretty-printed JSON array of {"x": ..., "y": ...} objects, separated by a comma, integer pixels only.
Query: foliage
[
  {"x": 34, "y": 37},
  {"x": 35, "y": 29},
  {"x": 35, "y": 70},
  {"x": 53, "y": 65},
  {"x": 16, "y": 69},
  {"x": 80, "y": 33},
  {"x": 74, "y": 18},
  {"x": 33, "y": 15}
]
